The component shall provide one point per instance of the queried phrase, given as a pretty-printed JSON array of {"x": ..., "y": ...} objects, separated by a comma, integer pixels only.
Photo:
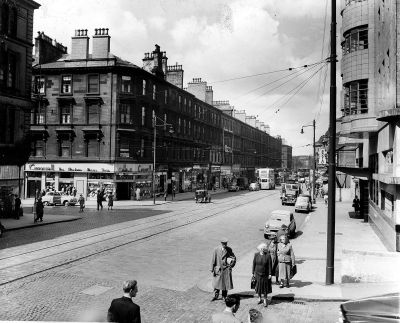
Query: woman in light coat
[{"x": 286, "y": 259}]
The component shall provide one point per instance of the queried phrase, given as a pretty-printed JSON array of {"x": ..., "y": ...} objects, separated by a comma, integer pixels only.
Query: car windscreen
[
  {"x": 302, "y": 199},
  {"x": 279, "y": 217}
]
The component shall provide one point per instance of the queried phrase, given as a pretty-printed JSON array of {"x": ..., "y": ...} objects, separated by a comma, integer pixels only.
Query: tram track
[{"x": 103, "y": 244}]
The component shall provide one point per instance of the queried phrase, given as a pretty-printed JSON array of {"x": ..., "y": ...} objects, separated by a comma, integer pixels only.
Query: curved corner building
[{"x": 369, "y": 133}]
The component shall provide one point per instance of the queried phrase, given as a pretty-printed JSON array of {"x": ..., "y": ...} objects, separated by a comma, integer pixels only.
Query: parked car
[
  {"x": 233, "y": 186},
  {"x": 302, "y": 204},
  {"x": 254, "y": 187},
  {"x": 377, "y": 309},
  {"x": 55, "y": 198},
  {"x": 275, "y": 222}
]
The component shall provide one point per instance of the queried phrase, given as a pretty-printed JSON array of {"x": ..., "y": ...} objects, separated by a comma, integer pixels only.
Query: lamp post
[
  {"x": 314, "y": 161},
  {"x": 171, "y": 130}
]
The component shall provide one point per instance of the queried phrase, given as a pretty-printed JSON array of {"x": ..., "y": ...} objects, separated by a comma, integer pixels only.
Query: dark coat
[
  {"x": 222, "y": 262},
  {"x": 123, "y": 310},
  {"x": 272, "y": 249},
  {"x": 39, "y": 209}
]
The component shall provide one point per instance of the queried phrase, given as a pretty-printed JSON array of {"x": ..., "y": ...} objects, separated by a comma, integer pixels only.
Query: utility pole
[
  {"x": 330, "y": 256},
  {"x": 314, "y": 166}
]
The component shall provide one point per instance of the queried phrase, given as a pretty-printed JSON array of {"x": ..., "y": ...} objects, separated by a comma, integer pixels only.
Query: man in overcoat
[
  {"x": 124, "y": 310},
  {"x": 222, "y": 262}
]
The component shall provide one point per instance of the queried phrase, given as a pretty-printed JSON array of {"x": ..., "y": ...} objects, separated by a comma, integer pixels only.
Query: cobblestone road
[{"x": 168, "y": 267}]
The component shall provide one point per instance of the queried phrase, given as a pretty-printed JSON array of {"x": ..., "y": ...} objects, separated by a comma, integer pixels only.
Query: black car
[{"x": 377, "y": 309}]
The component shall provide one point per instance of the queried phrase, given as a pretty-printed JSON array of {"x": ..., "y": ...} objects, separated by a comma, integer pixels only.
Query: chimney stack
[
  {"x": 80, "y": 45},
  {"x": 175, "y": 75},
  {"x": 101, "y": 43}
]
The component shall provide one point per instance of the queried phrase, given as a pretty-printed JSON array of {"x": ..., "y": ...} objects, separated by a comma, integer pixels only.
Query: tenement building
[
  {"x": 96, "y": 119},
  {"x": 369, "y": 127},
  {"x": 16, "y": 20}
]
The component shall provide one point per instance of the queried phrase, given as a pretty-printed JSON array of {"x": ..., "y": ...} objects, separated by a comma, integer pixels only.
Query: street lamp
[
  {"x": 170, "y": 130},
  {"x": 314, "y": 161}
]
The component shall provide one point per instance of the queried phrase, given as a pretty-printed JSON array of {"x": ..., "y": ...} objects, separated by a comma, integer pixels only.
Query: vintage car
[
  {"x": 303, "y": 204},
  {"x": 56, "y": 198},
  {"x": 291, "y": 191},
  {"x": 202, "y": 196},
  {"x": 383, "y": 308},
  {"x": 254, "y": 186},
  {"x": 275, "y": 222}
]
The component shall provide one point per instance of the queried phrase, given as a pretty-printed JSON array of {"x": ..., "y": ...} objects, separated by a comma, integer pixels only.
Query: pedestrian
[
  {"x": 222, "y": 262},
  {"x": 18, "y": 209},
  {"x": 138, "y": 193},
  {"x": 100, "y": 197},
  {"x": 272, "y": 250},
  {"x": 326, "y": 198},
  {"x": 282, "y": 231},
  {"x": 39, "y": 210},
  {"x": 356, "y": 205},
  {"x": 123, "y": 309},
  {"x": 165, "y": 194},
  {"x": 81, "y": 203},
  {"x": 286, "y": 260},
  {"x": 262, "y": 272},
  {"x": 255, "y": 316},
  {"x": 110, "y": 201},
  {"x": 173, "y": 191},
  {"x": 228, "y": 315},
  {"x": 74, "y": 191}
]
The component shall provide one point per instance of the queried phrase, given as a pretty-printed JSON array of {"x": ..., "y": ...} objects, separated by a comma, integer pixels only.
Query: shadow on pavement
[
  {"x": 299, "y": 283},
  {"x": 282, "y": 298}
]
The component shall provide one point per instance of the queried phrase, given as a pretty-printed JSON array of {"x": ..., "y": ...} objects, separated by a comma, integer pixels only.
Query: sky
[{"x": 242, "y": 48}]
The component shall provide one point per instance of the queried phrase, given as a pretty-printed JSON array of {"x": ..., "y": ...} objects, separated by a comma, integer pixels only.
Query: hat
[{"x": 224, "y": 239}]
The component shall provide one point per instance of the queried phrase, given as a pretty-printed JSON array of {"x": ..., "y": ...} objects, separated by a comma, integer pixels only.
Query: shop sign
[
  {"x": 196, "y": 167},
  {"x": 215, "y": 168},
  {"x": 72, "y": 167},
  {"x": 236, "y": 167},
  {"x": 133, "y": 168}
]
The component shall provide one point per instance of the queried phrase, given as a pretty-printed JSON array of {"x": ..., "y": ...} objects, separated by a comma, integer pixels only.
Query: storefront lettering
[{"x": 70, "y": 169}]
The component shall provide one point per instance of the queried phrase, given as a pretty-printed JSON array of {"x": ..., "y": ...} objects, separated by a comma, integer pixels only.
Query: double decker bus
[{"x": 266, "y": 178}]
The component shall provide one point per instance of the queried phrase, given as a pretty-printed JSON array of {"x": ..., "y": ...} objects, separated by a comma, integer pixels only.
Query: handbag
[
  {"x": 293, "y": 271},
  {"x": 253, "y": 282}
]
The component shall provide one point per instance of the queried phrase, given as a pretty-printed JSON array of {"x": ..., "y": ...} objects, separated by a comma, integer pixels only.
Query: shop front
[
  {"x": 215, "y": 179},
  {"x": 226, "y": 175},
  {"x": 134, "y": 179},
  {"x": 69, "y": 179}
]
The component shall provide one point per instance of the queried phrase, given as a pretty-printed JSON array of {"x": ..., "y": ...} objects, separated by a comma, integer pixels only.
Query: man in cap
[
  {"x": 124, "y": 310},
  {"x": 222, "y": 262}
]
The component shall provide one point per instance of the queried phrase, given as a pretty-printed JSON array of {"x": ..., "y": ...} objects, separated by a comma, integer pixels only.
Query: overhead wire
[
  {"x": 283, "y": 83},
  {"x": 299, "y": 88}
]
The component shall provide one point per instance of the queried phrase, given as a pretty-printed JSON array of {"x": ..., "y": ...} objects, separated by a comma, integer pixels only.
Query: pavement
[
  {"x": 362, "y": 267},
  {"x": 27, "y": 220}
]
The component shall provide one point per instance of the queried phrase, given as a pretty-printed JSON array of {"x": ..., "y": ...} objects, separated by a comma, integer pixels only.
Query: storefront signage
[
  {"x": 72, "y": 167},
  {"x": 133, "y": 168},
  {"x": 215, "y": 168}
]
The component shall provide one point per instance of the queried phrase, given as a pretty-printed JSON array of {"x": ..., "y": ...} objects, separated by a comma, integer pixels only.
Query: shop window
[
  {"x": 65, "y": 114},
  {"x": 125, "y": 113},
  {"x": 65, "y": 148},
  {"x": 66, "y": 84},
  {"x": 38, "y": 148},
  {"x": 126, "y": 84},
  {"x": 93, "y": 115},
  {"x": 93, "y": 83}
]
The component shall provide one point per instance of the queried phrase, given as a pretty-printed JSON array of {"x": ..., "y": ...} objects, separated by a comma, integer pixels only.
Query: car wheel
[
  {"x": 266, "y": 236},
  {"x": 209, "y": 200},
  {"x": 45, "y": 203},
  {"x": 65, "y": 203}
]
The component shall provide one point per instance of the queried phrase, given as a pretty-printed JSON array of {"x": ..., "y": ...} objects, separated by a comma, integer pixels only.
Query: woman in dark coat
[
  {"x": 272, "y": 249},
  {"x": 39, "y": 210},
  {"x": 262, "y": 270}
]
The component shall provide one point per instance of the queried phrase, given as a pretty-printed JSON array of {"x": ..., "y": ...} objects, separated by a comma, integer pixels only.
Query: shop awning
[
  {"x": 94, "y": 100},
  {"x": 66, "y": 100},
  {"x": 361, "y": 173}
]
